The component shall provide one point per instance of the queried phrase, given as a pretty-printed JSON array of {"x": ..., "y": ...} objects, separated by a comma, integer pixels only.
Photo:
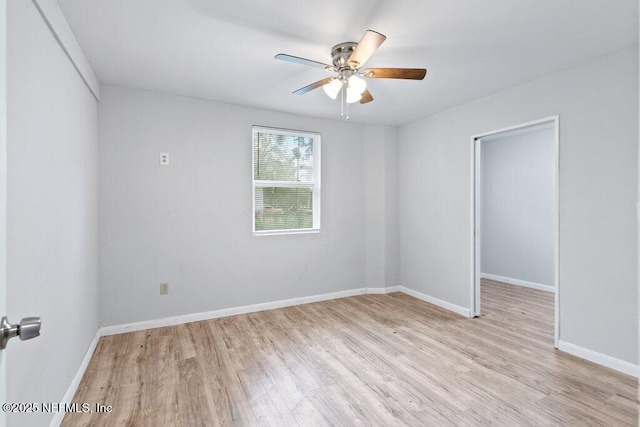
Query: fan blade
[
  {"x": 368, "y": 44},
  {"x": 395, "y": 73},
  {"x": 303, "y": 61},
  {"x": 366, "y": 97},
  {"x": 313, "y": 86}
]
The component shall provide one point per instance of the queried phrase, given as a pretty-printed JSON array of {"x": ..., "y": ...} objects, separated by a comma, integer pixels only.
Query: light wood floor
[{"x": 365, "y": 360}]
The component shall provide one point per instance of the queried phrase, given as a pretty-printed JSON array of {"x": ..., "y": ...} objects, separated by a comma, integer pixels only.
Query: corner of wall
[
  {"x": 391, "y": 230},
  {"x": 381, "y": 205}
]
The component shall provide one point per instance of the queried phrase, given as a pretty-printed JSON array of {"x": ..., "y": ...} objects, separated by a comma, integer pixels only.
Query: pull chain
[
  {"x": 343, "y": 101},
  {"x": 347, "y": 112},
  {"x": 346, "y": 85}
]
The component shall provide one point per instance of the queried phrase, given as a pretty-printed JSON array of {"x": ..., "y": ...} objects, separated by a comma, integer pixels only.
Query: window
[{"x": 286, "y": 181}]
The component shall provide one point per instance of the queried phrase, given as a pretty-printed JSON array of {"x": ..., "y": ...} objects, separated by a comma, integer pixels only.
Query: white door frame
[{"x": 476, "y": 168}]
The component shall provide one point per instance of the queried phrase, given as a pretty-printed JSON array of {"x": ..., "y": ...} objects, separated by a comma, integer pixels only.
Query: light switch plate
[{"x": 164, "y": 159}]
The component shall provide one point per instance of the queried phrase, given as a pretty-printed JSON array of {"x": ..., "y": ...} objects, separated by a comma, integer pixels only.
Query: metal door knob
[{"x": 28, "y": 328}]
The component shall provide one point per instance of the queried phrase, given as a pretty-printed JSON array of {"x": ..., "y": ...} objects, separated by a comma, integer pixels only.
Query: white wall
[
  {"x": 598, "y": 107},
  {"x": 381, "y": 207},
  {"x": 52, "y": 212},
  {"x": 517, "y": 206},
  {"x": 189, "y": 223}
]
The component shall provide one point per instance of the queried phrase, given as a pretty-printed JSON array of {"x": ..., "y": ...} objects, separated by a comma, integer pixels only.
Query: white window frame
[{"x": 314, "y": 186}]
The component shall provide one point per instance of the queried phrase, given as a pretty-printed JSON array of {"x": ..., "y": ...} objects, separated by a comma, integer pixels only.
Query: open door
[
  {"x": 29, "y": 327},
  {"x": 3, "y": 195}
]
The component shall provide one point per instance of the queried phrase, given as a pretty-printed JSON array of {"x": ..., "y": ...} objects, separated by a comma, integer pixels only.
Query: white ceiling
[{"x": 223, "y": 50}]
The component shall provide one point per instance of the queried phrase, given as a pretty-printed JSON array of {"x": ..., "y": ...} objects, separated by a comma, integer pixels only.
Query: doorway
[{"x": 524, "y": 250}]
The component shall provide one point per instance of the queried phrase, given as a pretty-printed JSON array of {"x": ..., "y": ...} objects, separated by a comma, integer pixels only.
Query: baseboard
[
  {"x": 225, "y": 312},
  {"x": 75, "y": 382},
  {"x": 383, "y": 290},
  {"x": 519, "y": 282},
  {"x": 600, "y": 359},
  {"x": 436, "y": 301}
]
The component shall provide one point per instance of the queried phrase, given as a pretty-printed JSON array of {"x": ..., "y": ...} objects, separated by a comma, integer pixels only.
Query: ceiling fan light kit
[
  {"x": 347, "y": 59},
  {"x": 333, "y": 88}
]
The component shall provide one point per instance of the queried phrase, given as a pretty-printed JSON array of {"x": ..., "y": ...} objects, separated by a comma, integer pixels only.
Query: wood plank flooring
[{"x": 365, "y": 360}]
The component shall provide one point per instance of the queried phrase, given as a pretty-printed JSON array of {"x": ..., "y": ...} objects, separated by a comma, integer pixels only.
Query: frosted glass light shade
[
  {"x": 352, "y": 96},
  {"x": 357, "y": 84},
  {"x": 355, "y": 88},
  {"x": 333, "y": 88}
]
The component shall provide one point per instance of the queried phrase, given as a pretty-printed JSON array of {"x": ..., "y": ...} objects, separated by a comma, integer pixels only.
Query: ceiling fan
[{"x": 348, "y": 59}]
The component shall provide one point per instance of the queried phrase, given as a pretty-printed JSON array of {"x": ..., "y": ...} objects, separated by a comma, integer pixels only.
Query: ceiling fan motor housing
[{"x": 340, "y": 55}]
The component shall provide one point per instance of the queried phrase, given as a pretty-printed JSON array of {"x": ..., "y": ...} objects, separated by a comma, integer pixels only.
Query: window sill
[{"x": 283, "y": 232}]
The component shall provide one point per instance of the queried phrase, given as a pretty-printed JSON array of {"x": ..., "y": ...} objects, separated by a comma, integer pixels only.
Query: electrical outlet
[
  {"x": 164, "y": 288},
  {"x": 164, "y": 159}
]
